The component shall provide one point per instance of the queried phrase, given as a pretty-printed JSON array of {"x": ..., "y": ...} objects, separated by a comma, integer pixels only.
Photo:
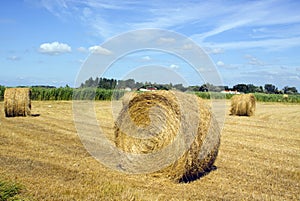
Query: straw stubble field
[{"x": 259, "y": 159}]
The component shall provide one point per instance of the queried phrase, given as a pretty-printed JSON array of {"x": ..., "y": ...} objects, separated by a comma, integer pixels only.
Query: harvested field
[{"x": 259, "y": 159}]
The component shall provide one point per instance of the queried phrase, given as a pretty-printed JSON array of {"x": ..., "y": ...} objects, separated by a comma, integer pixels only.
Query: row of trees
[
  {"x": 105, "y": 83},
  {"x": 102, "y": 83},
  {"x": 244, "y": 88},
  {"x": 268, "y": 88},
  {"x": 248, "y": 88}
]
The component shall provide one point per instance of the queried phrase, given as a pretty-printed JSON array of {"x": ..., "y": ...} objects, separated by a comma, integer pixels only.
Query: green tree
[
  {"x": 290, "y": 90},
  {"x": 203, "y": 88},
  {"x": 270, "y": 89},
  {"x": 2, "y": 89},
  {"x": 259, "y": 89},
  {"x": 193, "y": 88},
  {"x": 241, "y": 88},
  {"x": 89, "y": 83},
  {"x": 179, "y": 87},
  {"x": 251, "y": 88}
]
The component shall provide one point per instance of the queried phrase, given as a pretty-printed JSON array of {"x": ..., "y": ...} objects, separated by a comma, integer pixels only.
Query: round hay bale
[
  {"x": 17, "y": 102},
  {"x": 152, "y": 122},
  {"x": 127, "y": 97},
  {"x": 243, "y": 105}
]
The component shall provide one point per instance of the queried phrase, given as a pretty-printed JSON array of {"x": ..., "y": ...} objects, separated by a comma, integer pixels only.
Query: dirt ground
[{"x": 259, "y": 159}]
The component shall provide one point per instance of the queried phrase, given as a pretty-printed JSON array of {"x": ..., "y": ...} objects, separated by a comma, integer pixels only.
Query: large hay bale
[
  {"x": 243, "y": 105},
  {"x": 17, "y": 102},
  {"x": 127, "y": 97},
  {"x": 152, "y": 122}
]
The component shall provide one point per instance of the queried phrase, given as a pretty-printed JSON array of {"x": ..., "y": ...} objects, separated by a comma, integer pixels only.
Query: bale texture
[
  {"x": 243, "y": 105},
  {"x": 153, "y": 121},
  {"x": 17, "y": 102},
  {"x": 127, "y": 97}
]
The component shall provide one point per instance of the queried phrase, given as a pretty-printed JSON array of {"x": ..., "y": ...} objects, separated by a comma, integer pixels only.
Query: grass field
[{"x": 259, "y": 159}]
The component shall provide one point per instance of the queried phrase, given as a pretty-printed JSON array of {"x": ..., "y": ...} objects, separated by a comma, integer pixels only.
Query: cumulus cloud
[
  {"x": 13, "y": 58},
  {"x": 220, "y": 63},
  {"x": 82, "y": 49},
  {"x": 188, "y": 46},
  {"x": 254, "y": 61},
  {"x": 146, "y": 58},
  {"x": 174, "y": 66},
  {"x": 54, "y": 48},
  {"x": 166, "y": 40},
  {"x": 205, "y": 69},
  {"x": 215, "y": 50},
  {"x": 99, "y": 50}
]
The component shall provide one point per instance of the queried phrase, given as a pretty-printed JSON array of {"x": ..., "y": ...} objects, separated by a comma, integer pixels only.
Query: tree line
[
  {"x": 106, "y": 83},
  {"x": 106, "y": 89},
  {"x": 268, "y": 88}
]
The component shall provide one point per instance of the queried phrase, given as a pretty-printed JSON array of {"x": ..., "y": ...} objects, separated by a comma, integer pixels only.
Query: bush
[
  {"x": 277, "y": 98},
  {"x": 9, "y": 191},
  {"x": 261, "y": 97},
  {"x": 2, "y": 89},
  {"x": 213, "y": 95}
]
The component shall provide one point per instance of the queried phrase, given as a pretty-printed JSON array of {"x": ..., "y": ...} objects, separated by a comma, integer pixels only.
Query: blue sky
[{"x": 46, "y": 42}]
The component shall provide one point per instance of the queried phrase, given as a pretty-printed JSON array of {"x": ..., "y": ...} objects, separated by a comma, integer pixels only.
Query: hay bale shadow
[
  {"x": 199, "y": 176},
  {"x": 35, "y": 115}
]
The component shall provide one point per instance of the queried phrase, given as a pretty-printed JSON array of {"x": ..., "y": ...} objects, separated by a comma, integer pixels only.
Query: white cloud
[
  {"x": 254, "y": 14},
  {"x": 81, "y": 61},
  {"x": 82, "y": 49},
  {"x": 146, "y": 58},
  {"x": 174, "y": 66},
  {"x": 13, "y": 58},
  {"x": 220, "y": 63},
  {"x": 232, "y": 66},
  {"x": 270, "y": 44},
  {"x": 205, "y": 69},
  {"x": 99, "y": 50},
  {"x": 175, "y": 15},
  {"x": 254, "y": 61},
  {"x": 275, "y": 32},
  {"x": 222, "y": 28},
  {"x": 201, "y": 69},
  {"x": 54, "y": 48},
  {"x": 214, "y": 50},
  {"x": 295, "y": 77},
  {"x": 166, "y": 40},
  {"x": 188, "y": 46}
]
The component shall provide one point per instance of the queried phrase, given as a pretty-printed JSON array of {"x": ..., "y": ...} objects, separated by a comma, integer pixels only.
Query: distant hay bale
[
  {"x": 17, "y": 102},
  {"x": 243, "y": 105},
  {"x": 285, "y": 96},
  {"x": 153, "y": 121}
]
